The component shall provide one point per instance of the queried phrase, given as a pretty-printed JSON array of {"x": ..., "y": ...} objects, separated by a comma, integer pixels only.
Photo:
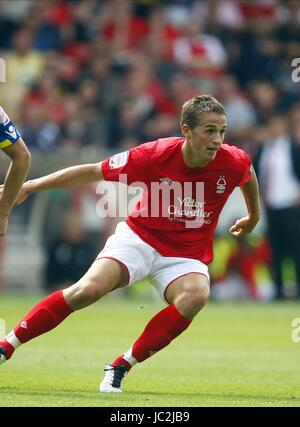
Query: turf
[{"x": 233, "y": 355}]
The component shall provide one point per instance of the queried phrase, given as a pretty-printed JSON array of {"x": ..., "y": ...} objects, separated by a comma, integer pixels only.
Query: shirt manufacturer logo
[
  {"x": 11, "y": 132},
  {"x": 166, "y": 180}
]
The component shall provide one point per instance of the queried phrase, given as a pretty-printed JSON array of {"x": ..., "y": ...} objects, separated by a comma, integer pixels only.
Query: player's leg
[
  {"x": 186, "y": 296},
  {"x": 103, "y": 276}
]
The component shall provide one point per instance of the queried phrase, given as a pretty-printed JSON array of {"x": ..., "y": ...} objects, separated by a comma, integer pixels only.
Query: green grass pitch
[{"x": 232, "y": 355}]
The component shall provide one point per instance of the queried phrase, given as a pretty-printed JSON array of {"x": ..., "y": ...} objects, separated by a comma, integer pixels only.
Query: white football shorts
[{"x": 142, "y": 261}]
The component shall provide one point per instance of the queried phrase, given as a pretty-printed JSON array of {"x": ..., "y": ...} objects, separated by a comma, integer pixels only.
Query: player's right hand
[{"x": 243, "y": 226}]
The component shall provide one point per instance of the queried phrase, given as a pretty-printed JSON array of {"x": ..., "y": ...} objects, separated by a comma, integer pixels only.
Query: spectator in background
[
  {"x": 124, "y": 29},
  {"x": 46, "y": 34},
  {"x": 200, "y": 54},
  {"x": 162, "y": 36},
  {"x": 11, "y": 14},
  {"x": 107, "y": 75},
  {"x": 240, "y": 112},
  {"x": 41, "y": 133},
  {"x": 94, "y": 120},
  {"x": 129, "y": 122},
  {"x": 278, "y": 167},
  {"x": 69, "y": 256},
  {"x": 47, "y": 94},
  {"x": 24, "y": 67},
  {"x": 74, "y": 125},
  {"x": 295, "y": 122},
  {"x": 244, "y": 260},
  {"x": 265, "y": 98},
  {"x": 133, "y": 49},
  {"x": 7, "y": 28}
]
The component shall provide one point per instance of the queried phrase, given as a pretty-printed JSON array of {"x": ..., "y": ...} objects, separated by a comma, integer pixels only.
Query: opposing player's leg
[
  {"x": 103, "y": 276},
  {"x": 186, "y": 296}
]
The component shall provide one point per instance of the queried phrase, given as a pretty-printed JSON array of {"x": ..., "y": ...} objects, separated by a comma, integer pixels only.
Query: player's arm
[
  {"x": 250, "y": 192},
  {"x": 15, "y": 176},
  {"x": 72, "y": 177},
  {"x": 14, "y": 147}
]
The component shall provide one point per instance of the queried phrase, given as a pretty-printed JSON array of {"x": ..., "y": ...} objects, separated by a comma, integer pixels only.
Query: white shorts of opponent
[{"x": 142, "y": 261}]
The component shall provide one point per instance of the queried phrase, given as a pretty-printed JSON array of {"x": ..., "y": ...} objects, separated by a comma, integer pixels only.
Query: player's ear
[{"x": 185, "y": 129}]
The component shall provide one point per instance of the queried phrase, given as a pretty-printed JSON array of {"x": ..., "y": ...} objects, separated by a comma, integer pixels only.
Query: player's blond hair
[{"x": 194, "y": 107}]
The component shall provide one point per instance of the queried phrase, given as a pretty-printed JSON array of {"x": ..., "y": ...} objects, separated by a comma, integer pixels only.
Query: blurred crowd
[{"x": 115, "y": 73}]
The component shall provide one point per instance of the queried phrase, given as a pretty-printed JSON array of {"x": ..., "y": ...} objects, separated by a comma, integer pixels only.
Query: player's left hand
[{"x": 243, "y": 226}]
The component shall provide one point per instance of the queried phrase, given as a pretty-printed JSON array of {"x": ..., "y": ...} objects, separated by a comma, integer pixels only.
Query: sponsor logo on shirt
[
  {"x": 119, "y": 160},
  {"x": 191, "y": 209},
  {"x": 221, "y": 185},
  {"x": 181, "y": 202}
]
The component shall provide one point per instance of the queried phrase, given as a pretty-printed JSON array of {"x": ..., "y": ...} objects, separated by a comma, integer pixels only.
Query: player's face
[{"x": 207, "y": 136}]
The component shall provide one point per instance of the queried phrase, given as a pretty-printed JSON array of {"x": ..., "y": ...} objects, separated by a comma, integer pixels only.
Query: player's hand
[
  {"x": 243, "y": 226},
  {"x": 3, "y": 224}
]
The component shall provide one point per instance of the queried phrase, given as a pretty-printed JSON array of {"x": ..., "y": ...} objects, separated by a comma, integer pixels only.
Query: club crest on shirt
[
  {"x": 221, "y": 185},
  {"x": 119, "y": 160}
]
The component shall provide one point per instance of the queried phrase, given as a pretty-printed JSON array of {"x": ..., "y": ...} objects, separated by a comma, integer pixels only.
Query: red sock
[
  {"x": 159, "y": 332},
  {"x": 46, "y": 315},
  {"x": 121, "y": 361}
]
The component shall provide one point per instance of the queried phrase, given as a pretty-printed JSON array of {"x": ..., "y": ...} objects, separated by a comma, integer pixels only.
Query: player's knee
[
  {"x": 194, "y": 297},
  {"x": 84, "y": 293},
  {"x": 91, "y": 291},
  {"x": 197, "y": 295}
]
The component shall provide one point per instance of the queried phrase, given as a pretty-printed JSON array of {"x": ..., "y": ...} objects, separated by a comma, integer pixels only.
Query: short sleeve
[
  {"x": 9, "y": 134},
  {"x": 132, "y": 163}
]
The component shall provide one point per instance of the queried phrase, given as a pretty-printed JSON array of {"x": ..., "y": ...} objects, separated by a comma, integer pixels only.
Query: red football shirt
[{"x": 173, "y": 215}]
